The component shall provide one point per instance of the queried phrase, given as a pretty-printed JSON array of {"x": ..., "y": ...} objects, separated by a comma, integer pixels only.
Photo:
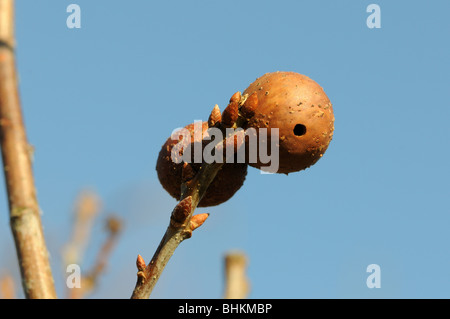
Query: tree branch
[
  {"x": 182, "y": 220},
  {"x": 236, "y": 283},
  {"x": 86, "y": 210},
  {"x": 24, "y": 210},
  {"x": 90, "y": 280},
  {"x": 180, "y": 228}
]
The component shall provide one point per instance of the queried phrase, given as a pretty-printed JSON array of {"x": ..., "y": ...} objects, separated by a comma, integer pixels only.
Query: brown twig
[
  {"x": 86, "y": 209},
  {"x": 89, "y": 281},
  {"x": 24, "y": 210},
  {"x": 7, "y": 290},
  {"x": 236, "y": 283},
  {"x": 182, "y": 220},
  {"x": 179, "y": 229}
]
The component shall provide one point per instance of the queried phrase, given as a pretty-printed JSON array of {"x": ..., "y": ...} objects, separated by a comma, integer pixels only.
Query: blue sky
[{"x": 101, "y": 100}]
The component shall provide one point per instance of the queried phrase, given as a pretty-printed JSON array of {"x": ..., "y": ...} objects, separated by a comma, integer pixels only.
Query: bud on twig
[
  {"x": 215, "y": 117},
  {"x": 197, "y": 220},
  {"x": 236, "y": 97},
  {"x": 181, "y": 212},
  {"x": 230, "y": 114},
  {"x": 140, "y": 263}
]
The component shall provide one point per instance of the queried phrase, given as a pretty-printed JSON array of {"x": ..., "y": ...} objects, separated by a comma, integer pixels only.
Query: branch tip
[
  {"x": 114, "y": 225},
  {"x": 237, "y": 285}
]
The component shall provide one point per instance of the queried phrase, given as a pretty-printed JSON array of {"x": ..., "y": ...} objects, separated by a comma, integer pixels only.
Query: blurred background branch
[
  {"x": 7, "y": 290},
  {"x": 87, "y": 208},
  {"x": 237, "y": 285},
  {"x": 90, "y": 281}
]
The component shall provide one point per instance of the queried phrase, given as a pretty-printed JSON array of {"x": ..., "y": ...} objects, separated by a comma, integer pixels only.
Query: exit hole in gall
[{"x": 299, "y": 130}]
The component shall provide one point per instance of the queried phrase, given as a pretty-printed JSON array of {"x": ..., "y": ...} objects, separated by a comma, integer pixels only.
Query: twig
[
  {"x": 89, "y": 281},
  {"x": 7, "y": 287},
  {"x": 182, "y": 220},
  {"x": 86, "y": 209},
  {"x": 179, "y": 229},
  {"x": 24, "y": 210},
  {"x": 236, "y": 283}
]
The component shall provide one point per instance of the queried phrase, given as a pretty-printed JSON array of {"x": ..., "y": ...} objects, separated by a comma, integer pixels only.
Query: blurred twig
[
  {"x": 24, "y": 210},
  {"x": 7, "y": 290},
  {"x": 237, "y": 285},
  {"x": 86, "y": 209},
  {"x": 90, "y": 280}
]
